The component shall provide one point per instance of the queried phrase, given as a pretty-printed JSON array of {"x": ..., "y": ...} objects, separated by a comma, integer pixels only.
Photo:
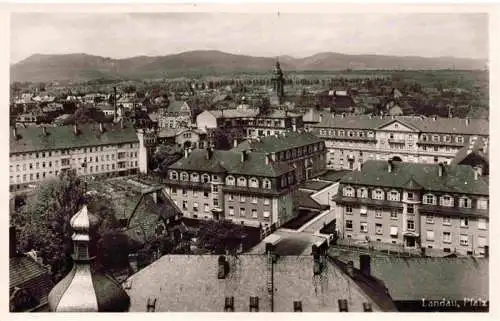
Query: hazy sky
[{"x": 121, "y": 35}]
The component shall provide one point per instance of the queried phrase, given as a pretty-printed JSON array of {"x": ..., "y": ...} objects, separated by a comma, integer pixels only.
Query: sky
[{"x": 124, "y": 35}]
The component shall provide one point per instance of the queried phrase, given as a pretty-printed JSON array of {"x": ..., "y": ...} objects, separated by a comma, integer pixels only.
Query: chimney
[
  {"x": 434, "y": 118},
  {"x": 186, "y": 153},
  {"x": 343, "y": 115},
  {"x": 132, "y": 261},
  {"x": 244, "y": 156},
  {"x": 235, "y": 143},
  {"x": 101, "y": 127},
  {"x": 390, "y": 165},
  {"x": 273, "y": 157},
  {"x": 210, "y": 153},
  {"x": 267, "y": 157},
  {"x": 121, "y": 123},
  {"x": 44, "y": 131},
  {"x": 320, "y": 118},
  {"x": 223, "y": 267},
  {"x": 365, "y": 264},
  {"x": 75, "y": 128},
  {"x": 441, "y": 169},
  {"x": 14, "y": 132},
  {"x": 350, "y": 268},
  {"x": 155, "y": 196},
  {"x": 12, "y": 241},
  {"x": 467, "y": 121},
  {"x": 476, "y": 174},
  {"x": 479, "y": 170}
]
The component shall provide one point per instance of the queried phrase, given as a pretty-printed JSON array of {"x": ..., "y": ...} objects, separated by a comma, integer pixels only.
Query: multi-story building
[
  {"x": 303, "y": 151},
  {"x": 245, "y": 187},
  {"x": 352, "y": 140},
  {"x": 89, "y": 149},
  {"x": 176, "y": 115},
  {"x": 250, "y": 121},
  {"x": 438, "y": 207}
]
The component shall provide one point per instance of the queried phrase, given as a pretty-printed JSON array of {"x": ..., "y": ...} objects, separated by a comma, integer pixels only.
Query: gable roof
[
  {"x": 190, "y": 283},
  {"x": 477, "y": 148},
  {"x": 274, "y": 144},
  {"x": 304, "y": 200},
  {"x": 229, "y": 161},
  {"x": 177, "y": 106},
  {"x": 31, "y": 138},
  {"x": 456, "y": 178}
]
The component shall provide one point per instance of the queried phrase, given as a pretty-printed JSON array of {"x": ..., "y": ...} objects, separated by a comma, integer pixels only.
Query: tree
[
  {"x": 220, "y": 236},
  {"x": 265, "y": 106},
  {"x": 44, "y": 222}
]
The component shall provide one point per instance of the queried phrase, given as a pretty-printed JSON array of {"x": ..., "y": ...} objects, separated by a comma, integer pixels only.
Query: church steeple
[{"x": 279, "y": 83}]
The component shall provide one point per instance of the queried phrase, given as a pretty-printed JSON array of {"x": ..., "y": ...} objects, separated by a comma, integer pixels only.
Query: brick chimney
[
  {"x": 365, "y": 264},
  {"x": 223, "y": 267},
  {"x": 390, "y": 165}
]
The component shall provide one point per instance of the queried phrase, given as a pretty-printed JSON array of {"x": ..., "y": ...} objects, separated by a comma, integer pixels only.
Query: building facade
[
  {"x": 244, "y": 187},
  {"x": 352, "y": 140},
  {"x": 176, "y": 115},
  {"x": 440, "y": 208},
  {"x": 37, "y": 154}
]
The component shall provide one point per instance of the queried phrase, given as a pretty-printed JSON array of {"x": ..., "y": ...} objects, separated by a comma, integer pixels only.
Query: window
[
  {"x": 348, "y": 210},
  {"x": 173, "y": 175},
  {"x": 266, "y": 201},
  {"x": 215, "y": 188},
  {"x": 409, "y": 196},
  {"x": 430, "y": 236},
  {"x": 362, "y": 193},
  {"x": 378, "y": 213},
  {"x": 482, "y": 204},
  {"x": 174, "y": 191},
  {"x": 242, "y": 211},
  {"x": 464, "y": 222},
  {"x": 267, "y": 214},
  {"x": 481, "y": 241},
  {"x": 378, "y": 194},
  {"x": 464, "y": 202},
  {"x": 231, "y": 211},
  {"x": 481, "y": 224},
  {"x": 195, "y": 177},
  {"x": 230, "y": 180},
  {"x": 184, "y": 205},
  {"x": 378, "y": 228},
  {"x": 205, "y": 194},
  {"x": 231, "y": 197},
  {"x": 348, "y": 191},
  {"x": 184, "y": 177},
  {"x": 459, "y": 139},
  {"x": 411, "y": 225},
  {"x": 195, "y": 193},
  {"x": 446, "y": 237},
  {"x": 429, "y": 199},
  {"x": 206, "y": 208},
  {"x": 341, "y": 133},
  {"x": 363, "y": 211},
  {"x": 216, "y": 202},
  {"x": 348, "y": 224},
  {"x": 184, "y": 192},
  {"x": 266, "y": 184},
  {"x": 363, "y": 227},
  {"x": 429, "y": 219},
  {"x": 410, "y": 209},
  {"x": 195, "y": 207},
  {"x": 446, "y": 200},
  {"x": 254, "y": 182},
  {"x": 435, "y": 138},
  {"x": 205, "y": 178},
  {"x": 446, "y": 220},
  {"x": 242, "y": 198},
  {"x": 447, "y": 138},
  {"x": 394, "y": 196},
  {"x": 424, "y": 138},
  {"x": 254, "y": 213},
  {"x": 464, "y": 240}
]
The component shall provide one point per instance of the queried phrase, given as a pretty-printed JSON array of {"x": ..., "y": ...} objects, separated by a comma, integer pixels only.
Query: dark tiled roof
[
  {"x": 26, "y": 273},
  {"x": 223, "y": 161},
  {"x": 476, "y": 147},
  {"x": 32, "y": 139},
  {"x": 311, "y": 116},
  {"x": 333, "y": 175},
  {"x": 456, "y": 178},
  {"x": 315, "y": 185},
  {"x": 175, "y": 106},
  {"x": 428, "y": 125},
  {"x": 304, "y": 201},
  {"x": 190, "y": 283},
  {"x": 431, "y": 277},
  {"x": 273, "y": 144}
]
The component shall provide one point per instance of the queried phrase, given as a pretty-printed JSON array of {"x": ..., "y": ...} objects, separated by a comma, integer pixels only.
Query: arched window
[
  {"x": 378, "y": 194},
  {"x": 362, "y": 192},
  {"x": 230, "y": 180},
  {"x": 184, "y": 176},
  {"x": 173, "y": 175},
  {"x": 254, "y": 182},
  {"x": 205, "y": 178},
  {"x": 429, "y": 199},
  {"x": 424, "y": 138},
  {"x": 446, "y": 200},
  {"x": 195, "y": 177},
  {"x": 242, "y": 181},
  {"x": 348, "y": 191},
  {"x": 266, "y": 183}
]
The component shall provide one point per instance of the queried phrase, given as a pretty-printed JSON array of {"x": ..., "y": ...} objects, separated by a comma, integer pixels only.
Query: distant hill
[{"x": 82, "y": 67}]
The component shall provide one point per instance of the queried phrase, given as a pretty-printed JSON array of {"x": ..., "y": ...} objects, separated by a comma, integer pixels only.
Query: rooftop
[
  {"x": 315, "y": 185},
  {"x": 274, "y": 144},
  {"x": 455, "y": 179}
]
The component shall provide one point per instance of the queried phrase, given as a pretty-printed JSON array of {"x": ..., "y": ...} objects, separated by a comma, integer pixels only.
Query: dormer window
[
  {"x": 446, "y": 200},
  {"x": 184, "y": 176},
  {"x": 195, "y": 177},
  {"x": 447, "y": 138},
  {"x": 362, "y": 192},
  {"x": 435, "y": 138},
  {"x": 322, "y": 132},
  {"x": 205, "y": 178},
  {"x": 459, "y": 139},
  {"x": 348, "y": 191},
  {"x": 393, "y": 196},
  {"x": 254, "y": 182},
  {"x": 341, "y": 133},
  {"x": 230, "y": 180},
  {"x": 173, "y": 175},
  {"x": 465, "y": 202},
  {"x": 424, "y": 138},
  {"x": 266, "y": 183},
  {"x": 242, "y": 181},
  {"x": 351, "y": 134},
  {"x": 378, "y": 194},
  {"x": 429, "y": 199}
]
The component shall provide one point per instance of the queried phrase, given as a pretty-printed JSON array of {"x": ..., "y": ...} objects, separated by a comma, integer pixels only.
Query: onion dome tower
[{"x": 85, "y": 289}]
